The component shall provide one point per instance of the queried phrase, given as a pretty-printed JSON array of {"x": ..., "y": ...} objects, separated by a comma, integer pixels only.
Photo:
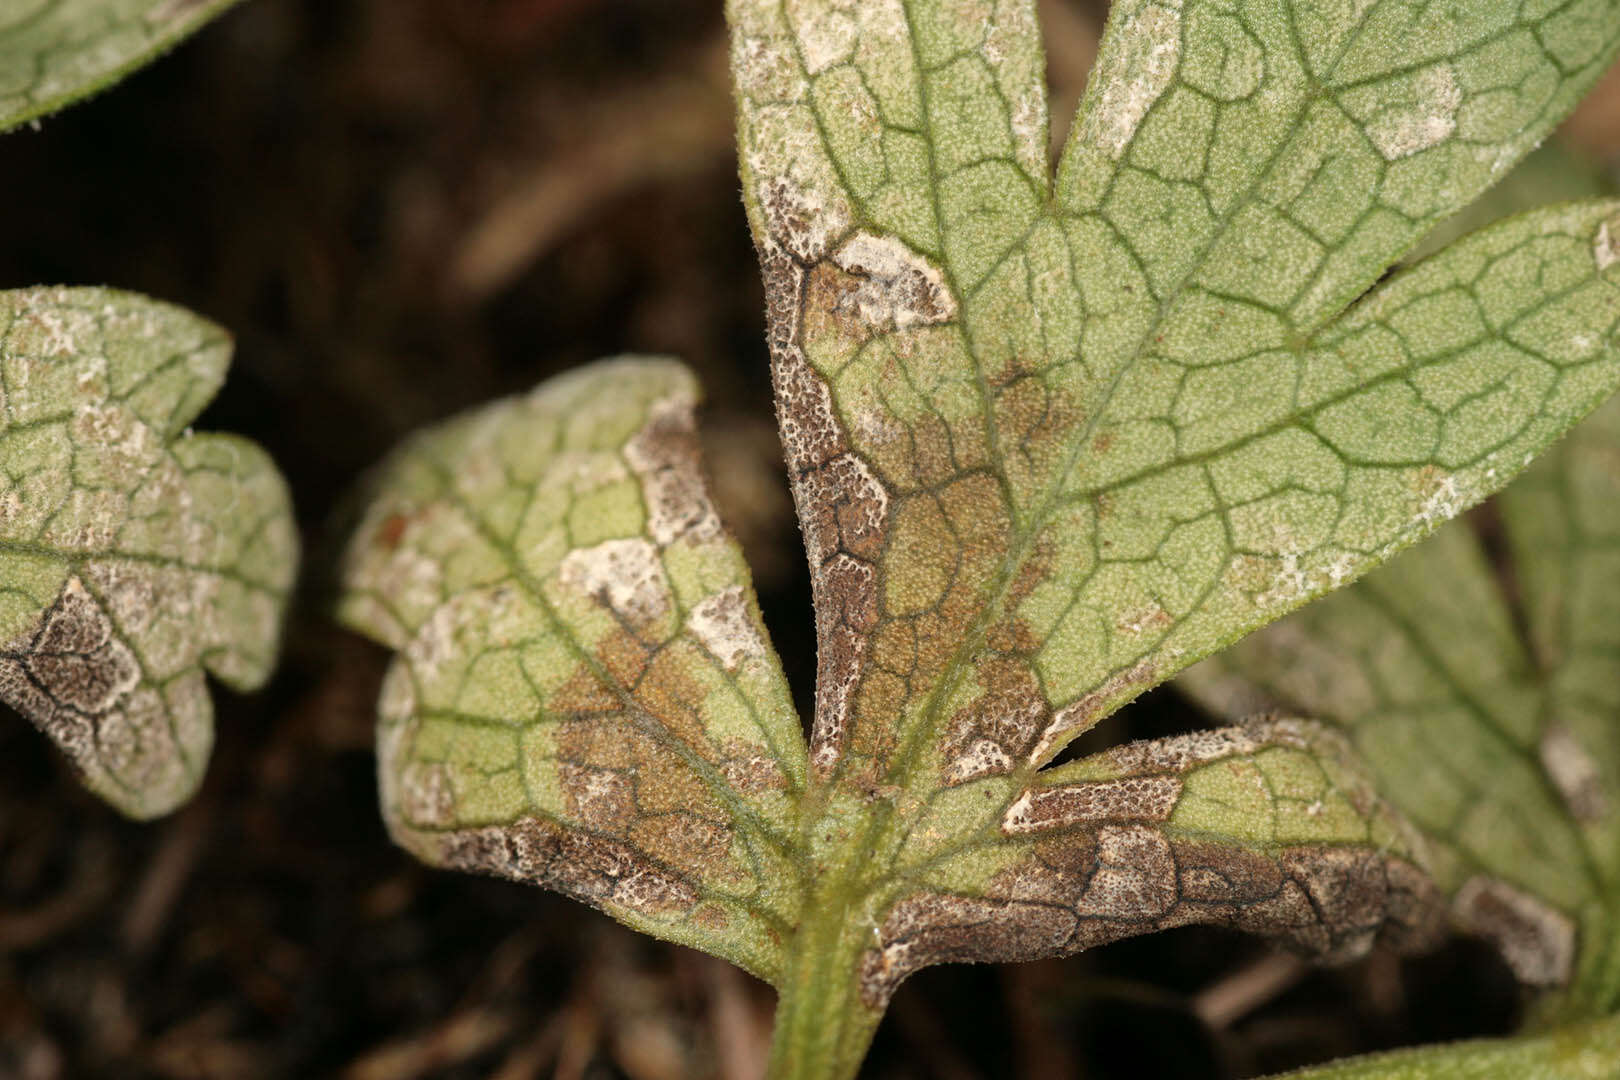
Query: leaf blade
[
  {"x": 584, "y": 696},
  {"x": 958, "y": 426},
  {"x": 1321, "y": 143},
  {"x": 53, "y": 52}
]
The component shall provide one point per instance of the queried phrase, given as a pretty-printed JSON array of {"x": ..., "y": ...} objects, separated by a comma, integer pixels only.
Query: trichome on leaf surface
[{"x": 1052, "y": 438}]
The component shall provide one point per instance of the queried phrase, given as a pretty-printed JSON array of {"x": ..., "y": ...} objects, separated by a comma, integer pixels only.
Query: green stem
[{"x": 822, "y": 1026}]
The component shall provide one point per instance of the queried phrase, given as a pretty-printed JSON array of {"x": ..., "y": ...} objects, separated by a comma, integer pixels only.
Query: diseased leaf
[
  {"x": 53, "y": 52},
  {"x": 135, "y": 555},
  {"x": 1580, "y": 1052},
  {"x": 1500, "y": 744},
  {"x": 584, "y": 696},
  {"x": 1052, "y": 439},
  {"x": 1051, "y": 444}
]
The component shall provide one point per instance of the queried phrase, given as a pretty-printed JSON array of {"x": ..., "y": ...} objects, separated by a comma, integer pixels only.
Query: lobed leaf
[
  {"x": 584, "y": 697},
  {"x": 135, "y": 555},
  {"x": 1052, "y": 439},
  {"x": 53, "y": 52}
]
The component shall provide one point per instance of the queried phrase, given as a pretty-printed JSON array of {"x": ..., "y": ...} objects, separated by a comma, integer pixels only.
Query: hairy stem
[{"x": 822, "y": 1026}]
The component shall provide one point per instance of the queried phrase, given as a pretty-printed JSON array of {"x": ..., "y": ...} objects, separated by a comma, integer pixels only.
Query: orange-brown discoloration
[
  {"x": 678, "y": 839},
  {"x": 391, "y": 531},
  {"x": 933, "y": 452},
  {"x": 894, "y": 647},
  {"x": 623, "y": 656},
  {"x": 671, "y": 697},
  {"x": 584, "y": 692},
  {"x": 831, "y": 318}
]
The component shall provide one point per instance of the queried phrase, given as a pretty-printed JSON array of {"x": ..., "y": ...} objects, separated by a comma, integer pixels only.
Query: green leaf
[
  {"x": 584, "y": 697},
  {"x": 135, "y": 554},
  {"x": 53, "y": 52},
  {"x": 1580, "y": 1052}
]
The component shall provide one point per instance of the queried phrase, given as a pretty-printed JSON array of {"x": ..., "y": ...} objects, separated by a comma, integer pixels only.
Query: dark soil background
[{"x": 402, "y": 208}]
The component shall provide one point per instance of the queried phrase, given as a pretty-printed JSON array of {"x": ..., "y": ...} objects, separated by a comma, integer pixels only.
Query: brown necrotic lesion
[
  {"x": 73, "y": 677},
  {"x": 1121, "y": 880}
]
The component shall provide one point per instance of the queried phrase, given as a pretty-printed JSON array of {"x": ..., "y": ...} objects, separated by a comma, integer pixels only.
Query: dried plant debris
[
  {"x": 53, "y": 52},
  {"x": 1052, "y": 438},
  {"x": 137, "y": 555},
  {"x": 1498, "y": 739}
]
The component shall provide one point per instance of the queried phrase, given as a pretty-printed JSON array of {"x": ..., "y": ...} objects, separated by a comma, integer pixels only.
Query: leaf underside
[
  {"x": 53, "y": 52},
  {"x": 136, "y": 556},
  {"x": 584, "y": 697},
  {"x": 1051, "y": 439}
]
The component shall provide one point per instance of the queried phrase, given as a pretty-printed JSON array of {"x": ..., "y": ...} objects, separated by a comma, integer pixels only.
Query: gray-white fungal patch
[
  {"x": 1606, "y": 247},
  {"x": 827, "y": 32},
  {"x": 1575, "y": 774},
  {"x": 1427, "y": 121},
  {"x": 426, "y": 798},
  {"x": 983, "y": 757},
  {"x": 843, "y": 511},
  {"x": 811, "y": 431},
  {"x": 77, "y": 681},
  {"x": 846, "y": 610},
  {"x": 664, "y": 457},
  {"x": 602, "y": 799},
  {"x": 602, "y": 872},
  {"x": 1178, "y": 753},
  {"x": 1138, "y": 68},
  {"x": 898, "y": 286},
  {"x": 626, "y": 575},
  {"x": 76, "y": 659},
  {"x": 1536, "y": 940},
  {"x": 1135, "y": 878},
  {"x": 1138, "y": 798},
  {"x": 725, "y": 627},
  {"x": 440, "y": 635},
  {"x": 1091, "y": 888},
  {"x": 805, "y": 219}
]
